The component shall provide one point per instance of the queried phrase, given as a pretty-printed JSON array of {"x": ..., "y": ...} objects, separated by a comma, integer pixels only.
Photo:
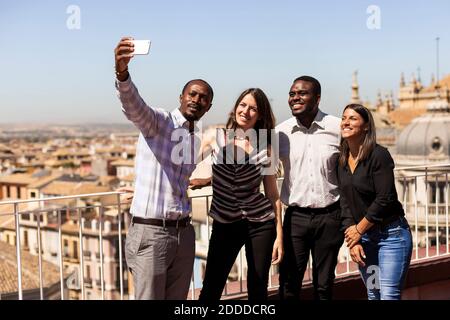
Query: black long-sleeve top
[{"x": 370, "y": 191}]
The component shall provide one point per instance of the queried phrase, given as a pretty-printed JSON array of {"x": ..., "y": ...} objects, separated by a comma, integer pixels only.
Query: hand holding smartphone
[{"x": 141, "y": 47}]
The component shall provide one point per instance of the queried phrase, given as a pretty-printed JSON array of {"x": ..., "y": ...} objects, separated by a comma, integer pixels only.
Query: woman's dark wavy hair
[{"x": 370, "y": 139}]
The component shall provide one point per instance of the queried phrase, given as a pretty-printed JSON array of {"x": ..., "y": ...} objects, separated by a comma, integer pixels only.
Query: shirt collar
[
  {"x": 319, "y": 120},
  {"x": 179, "y": 119}
]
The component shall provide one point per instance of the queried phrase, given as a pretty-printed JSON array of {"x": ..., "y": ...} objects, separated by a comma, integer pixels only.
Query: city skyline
[{"x": 61, "y": 74}]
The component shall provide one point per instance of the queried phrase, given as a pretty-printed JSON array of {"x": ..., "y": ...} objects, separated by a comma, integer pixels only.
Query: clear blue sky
[{"x": 53, "y": 74}]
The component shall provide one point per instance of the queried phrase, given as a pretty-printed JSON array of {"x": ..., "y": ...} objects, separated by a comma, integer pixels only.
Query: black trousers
[
  {"x": 305, "y": 233},
  {"x": 226, "y": 241}
]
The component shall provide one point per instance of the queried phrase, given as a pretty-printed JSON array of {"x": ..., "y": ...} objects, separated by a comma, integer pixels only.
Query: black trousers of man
[{"x": 316, "y": 231}]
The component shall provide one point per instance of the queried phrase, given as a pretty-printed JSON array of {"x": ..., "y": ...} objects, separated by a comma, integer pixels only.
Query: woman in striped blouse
[{"x": 242, "y": 214}]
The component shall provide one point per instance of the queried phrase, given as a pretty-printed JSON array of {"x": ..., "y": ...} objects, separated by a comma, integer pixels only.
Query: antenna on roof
[{"x": 437, "y": 63}]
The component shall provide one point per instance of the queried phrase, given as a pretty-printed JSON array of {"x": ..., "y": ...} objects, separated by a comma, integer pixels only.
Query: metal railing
[
  {"x": 52, "y": 206},
  {"x": 419, "y": 212},
  {"x": 430, "y": 233}
]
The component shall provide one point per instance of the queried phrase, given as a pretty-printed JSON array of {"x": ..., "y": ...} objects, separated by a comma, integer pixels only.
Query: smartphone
[{"x": 141, "y": 46}]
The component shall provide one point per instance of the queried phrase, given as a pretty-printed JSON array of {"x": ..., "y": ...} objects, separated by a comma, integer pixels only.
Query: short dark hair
[
  {"x": 210, "y": 89},
  {"x": 317, "y": 89}
]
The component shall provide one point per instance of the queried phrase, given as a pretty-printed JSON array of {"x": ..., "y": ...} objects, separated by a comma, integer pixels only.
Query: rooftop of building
[{"x": 30, "y": 270}]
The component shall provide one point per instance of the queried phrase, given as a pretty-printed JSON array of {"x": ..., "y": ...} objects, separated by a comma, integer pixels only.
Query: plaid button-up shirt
[{"x": 162, "y": 175}]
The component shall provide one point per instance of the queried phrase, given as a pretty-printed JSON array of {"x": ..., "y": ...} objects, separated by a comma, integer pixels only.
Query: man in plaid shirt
[{"x": 160, "y": 245}]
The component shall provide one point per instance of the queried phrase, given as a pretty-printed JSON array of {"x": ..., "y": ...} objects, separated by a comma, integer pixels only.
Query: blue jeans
[{"x": 388, "y": 253}]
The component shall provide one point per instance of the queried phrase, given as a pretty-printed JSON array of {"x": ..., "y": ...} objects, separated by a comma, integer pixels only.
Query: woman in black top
[
  {"x": 376, "y": 231},
  {"x": 243, "y": 216}
]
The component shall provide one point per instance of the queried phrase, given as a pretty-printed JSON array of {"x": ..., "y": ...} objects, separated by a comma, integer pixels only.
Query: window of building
[
  {"x": 18, "y": 193},
  {"x": 75, "y": 249},
  {"x": 88, "y": 272},
  {"x": 99, "y": 281},
  {"x": 8, "y": 192},
  {"x": 436, "y": 144},
  {"x": 66, "y": 247},
  {"x": 117, "y": 277},
  {"x": 25, "y": 238},
  {"x": 32, "y": 194},
  {"x": 439, "y": 195}
]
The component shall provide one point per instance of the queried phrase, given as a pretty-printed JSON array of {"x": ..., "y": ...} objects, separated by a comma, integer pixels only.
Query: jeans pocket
[{"x": 395, "y": 231}]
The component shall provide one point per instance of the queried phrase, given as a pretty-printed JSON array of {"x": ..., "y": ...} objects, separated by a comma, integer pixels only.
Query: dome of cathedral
[{"x": 427, "y": 136}]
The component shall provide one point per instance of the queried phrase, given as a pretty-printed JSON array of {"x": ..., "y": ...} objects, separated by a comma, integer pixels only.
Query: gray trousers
[{"x": 161, "y": 261}]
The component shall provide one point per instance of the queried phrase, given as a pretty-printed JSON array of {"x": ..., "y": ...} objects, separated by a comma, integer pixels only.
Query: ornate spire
[
  {"x": 379, "y": 98},
  {"x": 355, "y": 89},
  {"x": 391, "y": 100},
  {"x": 402, "y": 80}
]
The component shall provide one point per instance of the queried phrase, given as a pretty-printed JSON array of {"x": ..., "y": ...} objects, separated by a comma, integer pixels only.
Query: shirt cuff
[
  {"x": 346, "y": 222},
  {"x": 372, "y": 218},
  {"x": 124, "y": 85}
]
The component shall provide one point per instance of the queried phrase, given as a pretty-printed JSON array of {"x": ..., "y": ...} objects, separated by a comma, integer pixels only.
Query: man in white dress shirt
[
  {"x": 309, "y": 143},
  {"x": 160, "y": 245}
]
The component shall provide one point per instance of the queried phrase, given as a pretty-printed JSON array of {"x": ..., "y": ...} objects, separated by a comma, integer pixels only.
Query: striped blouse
[{"x": 236, "y": 185}]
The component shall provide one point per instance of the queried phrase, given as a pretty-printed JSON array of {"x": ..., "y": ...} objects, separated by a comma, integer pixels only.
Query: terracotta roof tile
[{"x": 30, "y": 270}]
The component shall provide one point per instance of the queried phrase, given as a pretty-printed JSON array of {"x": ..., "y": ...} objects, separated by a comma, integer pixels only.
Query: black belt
[
  {"x": 163, "y": 223},
  {"x": 329, "y": 209}
]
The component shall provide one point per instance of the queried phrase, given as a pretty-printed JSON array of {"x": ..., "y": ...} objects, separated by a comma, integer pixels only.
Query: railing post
[
  {"x": 18, "y": 253},
  {"x": 193, "y": 283},
  {"x": 270, "y": 276},
  {"x": 60, "y": 249},
  {"x": 41, "y": 289},
  {"x": 416, "y": 219},
  {"x": 241, "y": 272},
  {"x": 404, "y": 194},
  {"x": 119, "y": 219},
  {"x": 437, "y": 215},
  {"x": 426, "y": 213},
  {"x": 208, "y": 228},
  {"x": 347, "y": 254},
  {"x": 100, "y": 232},
  {"x": 309, "y": 266},
  {"x": 80, "y": 238},
  {"x": 446, "y": 213}
]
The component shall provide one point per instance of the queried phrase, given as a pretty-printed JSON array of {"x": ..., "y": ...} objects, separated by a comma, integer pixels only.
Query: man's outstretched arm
[{"x": 133, "y": 106}]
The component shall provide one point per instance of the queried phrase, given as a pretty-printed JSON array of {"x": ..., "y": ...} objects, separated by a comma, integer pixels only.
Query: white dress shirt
[{"x": 309, "y": 158}]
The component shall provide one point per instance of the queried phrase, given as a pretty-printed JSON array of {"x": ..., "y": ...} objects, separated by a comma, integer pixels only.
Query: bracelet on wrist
[
  {"x": 356, "y": 228},
  {"x": 118, "y": 73}
]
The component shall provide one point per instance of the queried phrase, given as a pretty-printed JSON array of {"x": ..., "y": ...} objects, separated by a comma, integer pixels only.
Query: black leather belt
[
  {"x": 331, "y": 208},
  {"x": 163, "y": 223}
]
